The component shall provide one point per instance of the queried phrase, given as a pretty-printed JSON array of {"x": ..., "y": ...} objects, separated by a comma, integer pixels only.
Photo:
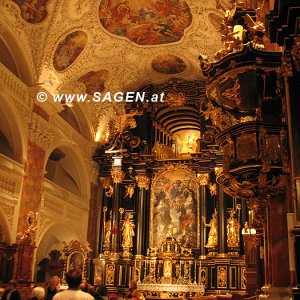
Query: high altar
[
  {"x": 175, "y": 203},
  {"x": 185, "y": 255}
]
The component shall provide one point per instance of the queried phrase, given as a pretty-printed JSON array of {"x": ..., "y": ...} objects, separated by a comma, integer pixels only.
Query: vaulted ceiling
[{"x": 83, "y": 46}]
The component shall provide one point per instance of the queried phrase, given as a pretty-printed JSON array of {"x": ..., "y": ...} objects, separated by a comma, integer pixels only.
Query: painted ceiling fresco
[
  {"x": 146, "y": 22},
  {"x": 32, "y": 11},
  {"x": 94, "y": 81},
  {"x": 69, "y": 49},
  {"x": 168, "y": 64}
]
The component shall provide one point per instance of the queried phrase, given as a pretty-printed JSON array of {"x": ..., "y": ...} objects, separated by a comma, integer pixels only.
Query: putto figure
[{"x": 213, "y": 232}]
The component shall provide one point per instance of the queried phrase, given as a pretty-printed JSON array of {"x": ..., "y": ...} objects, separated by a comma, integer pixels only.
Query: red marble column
[{"x": 32, "y": 183}]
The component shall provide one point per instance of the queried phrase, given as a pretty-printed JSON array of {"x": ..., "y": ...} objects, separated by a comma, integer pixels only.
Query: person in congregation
[
  {"x": 133, "y": 292},
  {"x": 99, "y": 289},
  {"x": 38, "y": 293},
  {"x": 74, "y": 279},
  {"x": 52, "y": 287},
  {"x": 11, "y": 292}
]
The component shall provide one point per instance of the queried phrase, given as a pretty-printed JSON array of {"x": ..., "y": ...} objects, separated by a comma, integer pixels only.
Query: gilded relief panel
[{"x": 174, "y": 206}]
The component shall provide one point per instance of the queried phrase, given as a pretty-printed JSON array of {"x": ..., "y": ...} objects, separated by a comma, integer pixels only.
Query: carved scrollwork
[{"x": 296, "y": 52}]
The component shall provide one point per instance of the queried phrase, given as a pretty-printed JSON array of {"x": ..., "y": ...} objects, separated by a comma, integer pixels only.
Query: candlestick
[
  {"x": 200, "y": 274},
  {"x": 195, "y": 273},
  {"x": 145, "y": 269}
]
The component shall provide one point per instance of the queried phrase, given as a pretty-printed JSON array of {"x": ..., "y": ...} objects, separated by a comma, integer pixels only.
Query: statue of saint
[
  {"x": 127, "y": 232},
  {"x": 213, "y": 232},
  {"x": 107, "y": 233},
  {"x": 233, "y": 230}
]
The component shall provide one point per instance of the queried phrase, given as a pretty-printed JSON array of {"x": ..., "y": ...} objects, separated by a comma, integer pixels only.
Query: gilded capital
[
  {"x": 203, "y": 178},
  {"x": 142, "y": 181},
  {"x": 117, "y": 176}
]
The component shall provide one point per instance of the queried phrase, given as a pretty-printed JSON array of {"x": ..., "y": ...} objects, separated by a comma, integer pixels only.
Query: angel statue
[{"x": 213, "y": 232}]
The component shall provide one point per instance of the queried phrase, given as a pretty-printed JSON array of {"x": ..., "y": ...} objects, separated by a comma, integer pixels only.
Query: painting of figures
[
  {"x": 146, "y": 22},
  {"x": 175, "y": 206},
  {"x": 94, "y": 81},
  {"x": 168, "y": 64},
  {"x": 32, "y": 11},
  {"x": 69, "y": 49}
]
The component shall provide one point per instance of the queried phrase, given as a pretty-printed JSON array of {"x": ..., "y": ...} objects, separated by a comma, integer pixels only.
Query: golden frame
[
  {"x": 70, "y": 257},
  {"x": 185, "y": 171}
]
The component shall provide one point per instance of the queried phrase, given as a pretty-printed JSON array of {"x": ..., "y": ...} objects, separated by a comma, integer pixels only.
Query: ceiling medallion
[{"x": 175, "y": 99}]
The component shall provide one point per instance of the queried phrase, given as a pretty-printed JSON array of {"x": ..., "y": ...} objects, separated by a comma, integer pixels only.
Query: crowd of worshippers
[{"x": 77, "y": 289}]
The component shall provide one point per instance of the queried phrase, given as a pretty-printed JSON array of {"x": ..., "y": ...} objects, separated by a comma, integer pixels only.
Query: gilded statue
[
  {"x": 107, "y": 233},
  {"x": 129, "y": 190},
  {"x": 127, "y": 232},
  {"x": 233, "y": 230},
  {"x": 213, "y": 232}
]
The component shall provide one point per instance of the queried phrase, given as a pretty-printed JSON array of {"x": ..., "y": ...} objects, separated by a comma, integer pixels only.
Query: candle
[
  {"x": 200, "y": 278},
  {"x": 249, "y": 212},
  {"x": 180, "y": 268}
]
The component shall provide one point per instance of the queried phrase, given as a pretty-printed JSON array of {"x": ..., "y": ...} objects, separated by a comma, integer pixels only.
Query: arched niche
[
  {"x": 13, "y": 56},
  {"x": 5, "y": 232},
  {"x": 53, "y": 239},
  {"x": 76, "y": 118},
  {"x": 12, "y": 136},
  {"x": 66, "y": 168}
]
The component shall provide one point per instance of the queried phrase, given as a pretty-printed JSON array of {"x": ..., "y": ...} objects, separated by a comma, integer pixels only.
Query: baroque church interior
[{"x": 192, "y": 191}]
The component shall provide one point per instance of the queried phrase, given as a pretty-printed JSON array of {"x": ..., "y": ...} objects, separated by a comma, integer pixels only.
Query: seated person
[
  {"x": 99, "y": 289},
  {"x": 11, "y": 291},
  {"x": 133, "y": 292},
  {"x": 38, "y": 293},
  {"x": 73, "y": 278}
]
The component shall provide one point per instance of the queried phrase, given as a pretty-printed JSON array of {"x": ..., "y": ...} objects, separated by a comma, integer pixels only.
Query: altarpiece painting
[{"x": 175, "y": 206}]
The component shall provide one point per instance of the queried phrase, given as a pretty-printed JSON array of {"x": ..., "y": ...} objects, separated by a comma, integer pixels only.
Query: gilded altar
[{"x": 170, "y": 290}]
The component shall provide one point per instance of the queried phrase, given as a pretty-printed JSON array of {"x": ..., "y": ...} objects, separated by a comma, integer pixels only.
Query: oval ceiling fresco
[
  {"x": 69, "y": 49},
  {"x": 94, "y": 81},
  {"x": 146, "y": 22},
  {"x": 168, "y": 64},
  {"x": 32, "y": 11}
]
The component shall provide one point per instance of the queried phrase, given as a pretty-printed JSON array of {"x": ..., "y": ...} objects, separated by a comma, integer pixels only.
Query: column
[
  {"x": 104, "y": 213},
  {"x": 117, "y": 176},
  {"x": 221, "y": 221},
  {"x": 203, "y": 181},
  {"x": 143, "y": 184},
  {"x": 39, "y": 141}
]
